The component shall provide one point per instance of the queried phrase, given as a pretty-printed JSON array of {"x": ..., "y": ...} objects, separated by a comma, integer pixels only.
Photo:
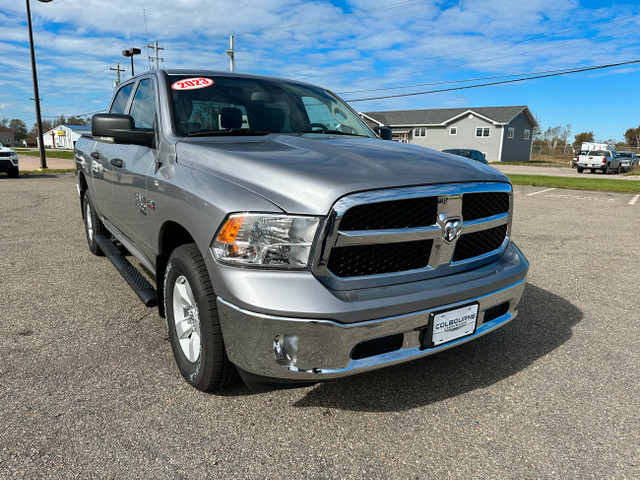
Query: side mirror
[
  {"x": 120, "y": 128},
  {"x": 383, "y": 132}
]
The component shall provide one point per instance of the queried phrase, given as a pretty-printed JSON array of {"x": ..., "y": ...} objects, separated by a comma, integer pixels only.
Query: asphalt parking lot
[{"x": 89, "y": 389}]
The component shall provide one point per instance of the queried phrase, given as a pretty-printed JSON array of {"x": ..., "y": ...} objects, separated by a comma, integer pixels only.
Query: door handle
[
  {"x": 116, "y": 162},
  {"x": 95, "y": 155}
]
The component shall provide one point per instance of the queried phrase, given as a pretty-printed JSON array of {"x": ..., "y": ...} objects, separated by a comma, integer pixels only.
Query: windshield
[{"x": 214, "y": 105}]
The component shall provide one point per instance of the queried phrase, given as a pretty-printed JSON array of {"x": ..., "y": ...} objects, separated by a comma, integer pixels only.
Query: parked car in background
[
  {"x": 627, "y": 160},
  {"x": 467, "y": 153},
  {"x": 9, "y": 161},
  {"x": 575, "y": 159},
  {"x": 604, "y": 160}
]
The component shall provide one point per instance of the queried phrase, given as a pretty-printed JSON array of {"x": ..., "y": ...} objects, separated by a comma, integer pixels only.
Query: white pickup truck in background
[{"x": 605, "y": 160}]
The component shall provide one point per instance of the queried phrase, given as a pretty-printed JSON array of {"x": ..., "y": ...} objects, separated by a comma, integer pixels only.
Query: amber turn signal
[{"x": 230, "y": 230}]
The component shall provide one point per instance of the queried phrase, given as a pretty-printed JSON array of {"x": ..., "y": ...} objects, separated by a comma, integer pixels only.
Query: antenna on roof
[{"x": 146, "y": 33}]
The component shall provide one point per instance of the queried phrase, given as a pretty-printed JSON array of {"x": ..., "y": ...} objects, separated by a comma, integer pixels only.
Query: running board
[{"x": 134, "y": 278}]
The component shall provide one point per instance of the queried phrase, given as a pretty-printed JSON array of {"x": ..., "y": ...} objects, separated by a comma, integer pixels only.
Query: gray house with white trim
[{"x": 503, "y": 134}]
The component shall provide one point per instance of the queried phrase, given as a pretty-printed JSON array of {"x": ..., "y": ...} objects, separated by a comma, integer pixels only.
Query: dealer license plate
[{"x": 454, "y": 324}]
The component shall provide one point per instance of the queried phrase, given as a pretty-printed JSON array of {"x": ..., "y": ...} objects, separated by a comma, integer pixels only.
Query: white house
[{"x": 64, "y": 136}]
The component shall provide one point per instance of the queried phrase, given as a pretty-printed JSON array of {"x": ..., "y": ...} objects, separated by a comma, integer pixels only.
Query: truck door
[
  {"x": 130, "y": 169},
  {"x": 101, "y": 155}
]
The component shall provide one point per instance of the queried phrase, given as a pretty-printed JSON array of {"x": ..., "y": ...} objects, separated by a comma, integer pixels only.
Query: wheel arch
[
  {"x": 83, "y": 186},
  {"x": 171, "y": 236}
]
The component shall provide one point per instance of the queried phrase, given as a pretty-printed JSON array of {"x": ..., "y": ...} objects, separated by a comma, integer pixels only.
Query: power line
[
  {"x": 454, "y": 81},
  {"x": 485, "y": 60},
  {"x": 577, "y": 70},
  {"x": 475, "y": 50}
]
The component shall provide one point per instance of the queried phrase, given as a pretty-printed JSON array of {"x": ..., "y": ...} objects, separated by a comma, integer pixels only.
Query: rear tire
[
  {"x": 607, "y": 169},
  {"x": 580, "y": 169},
  {"x": 193, "y": 324},
  {"x": 593, "y": 170},
  {"x": 92, "y": 224}
]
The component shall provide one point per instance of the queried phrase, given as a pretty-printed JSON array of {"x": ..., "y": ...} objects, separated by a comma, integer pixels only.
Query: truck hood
[{"x": 307, "y": 174}]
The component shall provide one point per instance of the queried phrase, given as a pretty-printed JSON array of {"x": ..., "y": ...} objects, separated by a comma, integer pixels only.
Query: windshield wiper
[
  {"x": 236, "y": 132},
  {"x": 333, "y": 132}
]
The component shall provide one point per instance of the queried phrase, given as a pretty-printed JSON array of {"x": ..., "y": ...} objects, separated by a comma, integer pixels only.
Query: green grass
[
  {"x": 47, "y": 171},
  {"x": 51, "y": 154},
  {"x": 593, "y": 184}
]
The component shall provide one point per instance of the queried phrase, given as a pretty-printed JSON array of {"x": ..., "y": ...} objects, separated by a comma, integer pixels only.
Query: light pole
[
  {"x": 130, "y": 53},
  {"x": 36, "y": 96}
]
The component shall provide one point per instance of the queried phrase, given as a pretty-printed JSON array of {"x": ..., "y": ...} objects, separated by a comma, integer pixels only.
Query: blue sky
[{"x": 358, "y": 49}]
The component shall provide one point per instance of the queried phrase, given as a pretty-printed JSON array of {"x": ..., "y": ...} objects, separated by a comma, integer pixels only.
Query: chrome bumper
[{"x": 314, "y": 350}]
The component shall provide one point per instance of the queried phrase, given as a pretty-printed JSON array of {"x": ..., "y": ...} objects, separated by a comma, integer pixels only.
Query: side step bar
[{"x": 134, "y": 278}]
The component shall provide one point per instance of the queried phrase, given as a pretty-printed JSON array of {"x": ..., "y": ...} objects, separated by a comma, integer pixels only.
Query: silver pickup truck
[{"x": 282, "y": 239}]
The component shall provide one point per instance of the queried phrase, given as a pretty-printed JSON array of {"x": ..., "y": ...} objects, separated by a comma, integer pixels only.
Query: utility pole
[
  {"x": 155, "y": 47},
  {"x": 232, "y": 64},
  {"x": 36, "y": 95},
  {"x": 117, "y": 69}
]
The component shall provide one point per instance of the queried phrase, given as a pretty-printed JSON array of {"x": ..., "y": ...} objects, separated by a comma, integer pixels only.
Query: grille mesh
[
  {"x": 478, "y": 243},
  {"x": 356, "y": 261},
  {"x": 480, "y": 205},
  {"x": 405, "y": 213}
]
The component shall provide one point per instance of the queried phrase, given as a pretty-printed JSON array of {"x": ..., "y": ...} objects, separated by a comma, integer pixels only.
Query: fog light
[{"x": 285, "y": 349}]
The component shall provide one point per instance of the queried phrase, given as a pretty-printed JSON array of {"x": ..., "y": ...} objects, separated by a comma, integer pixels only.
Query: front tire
[
  {"x": 192, "y": 322},
  {"x": 13, "y": 173},
  {"x": 92, "y": 224}
]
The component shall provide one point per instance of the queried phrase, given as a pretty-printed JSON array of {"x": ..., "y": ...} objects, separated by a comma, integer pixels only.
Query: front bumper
[
  {"x": 310, "y": 349},
  {"x": 8, "y": 163}
]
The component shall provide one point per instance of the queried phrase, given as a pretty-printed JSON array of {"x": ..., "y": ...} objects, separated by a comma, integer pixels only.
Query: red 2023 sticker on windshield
[{"x": 192, "y": 83}]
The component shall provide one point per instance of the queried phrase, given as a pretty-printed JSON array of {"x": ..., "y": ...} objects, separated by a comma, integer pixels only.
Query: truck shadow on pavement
[{"x": 543, "y": 324}]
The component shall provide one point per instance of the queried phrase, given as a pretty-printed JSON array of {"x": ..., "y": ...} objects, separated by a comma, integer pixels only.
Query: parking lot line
[
  {"x": 540, "y": 191},
  {"x": 634, "y": 200}
]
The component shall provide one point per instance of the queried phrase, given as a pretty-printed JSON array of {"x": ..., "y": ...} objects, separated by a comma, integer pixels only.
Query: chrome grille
[{"x": 406, "y": 234}]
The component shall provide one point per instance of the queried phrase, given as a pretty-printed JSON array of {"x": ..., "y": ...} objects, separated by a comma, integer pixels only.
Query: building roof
[
  {"x": 76, "y": 127},
  {"x": 6, "y": 129},
  {"x": 442, "y": 116}
]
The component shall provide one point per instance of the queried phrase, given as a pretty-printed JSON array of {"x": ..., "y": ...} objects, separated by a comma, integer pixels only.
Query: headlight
[{"x": 266, "y": 240}]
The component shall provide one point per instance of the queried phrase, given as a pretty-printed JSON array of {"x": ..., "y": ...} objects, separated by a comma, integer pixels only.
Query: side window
[
  {"x": 319, "y": 114},
  {"x": 122, "y": 97},
  {"x": 143, "y": 108}
]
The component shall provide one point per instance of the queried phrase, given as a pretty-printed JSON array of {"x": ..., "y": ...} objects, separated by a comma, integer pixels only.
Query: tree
[
  {"x": 73, "y": 120},
  {"x": 4, "y": 122},
  {"x": 46, "y": 125},
  {"x": 632, "y": 136},
  {"x": 551, "y": 137},
  {"x": 582, "y": 137},
  {"x": 19, "y": 128},
  {"x": 564, "y": 136}
]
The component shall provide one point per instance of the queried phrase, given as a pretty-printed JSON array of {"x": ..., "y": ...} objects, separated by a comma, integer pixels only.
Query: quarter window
[
  {"x": 120, "y": 102},
  {"x": 511, "y": 132},
  {"x": 483, "y": 131}
]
